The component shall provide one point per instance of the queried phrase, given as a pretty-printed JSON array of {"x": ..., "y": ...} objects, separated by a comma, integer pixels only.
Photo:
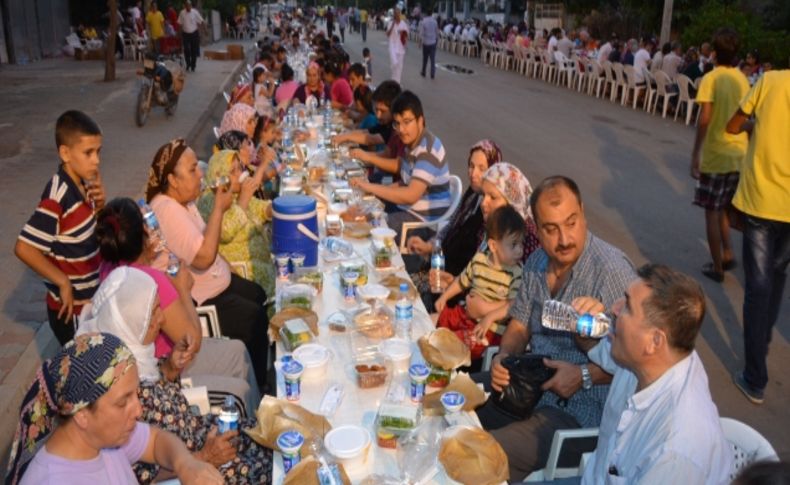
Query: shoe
[
  {"x": 754, "y": 395},
  {"x": 422, "y": 74},
  {"x": 729, "y": 265},
  {"x": 707, "y": 270}
]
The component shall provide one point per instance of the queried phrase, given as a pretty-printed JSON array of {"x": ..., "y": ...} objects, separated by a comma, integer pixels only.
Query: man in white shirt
[
  {"x": 429, "y": 34},
  {"x": 642, "y": 60},
  {"x": 190, "y": 20},
  {"x": 673, "y": 61},
  {"x": 659, "y": 423},
  {"x": 606, "y": 49},
  {"x": 448, "y": 28},
  {"x": 565, "y": 45},
  {"x": 398, "y": 35}
]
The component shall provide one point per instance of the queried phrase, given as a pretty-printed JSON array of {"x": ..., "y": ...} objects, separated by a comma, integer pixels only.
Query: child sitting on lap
[{"x": 494, "y": 275}]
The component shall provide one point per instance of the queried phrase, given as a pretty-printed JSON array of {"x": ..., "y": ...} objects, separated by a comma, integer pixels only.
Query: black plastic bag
[{"x": 527, "y": 375}]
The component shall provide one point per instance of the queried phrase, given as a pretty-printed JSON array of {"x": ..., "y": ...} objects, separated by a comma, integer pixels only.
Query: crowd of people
[{"x": 122, "y": 294}]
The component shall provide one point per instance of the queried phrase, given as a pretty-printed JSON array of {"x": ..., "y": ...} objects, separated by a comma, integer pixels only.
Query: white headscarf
[{"x": 122, "y": 306}]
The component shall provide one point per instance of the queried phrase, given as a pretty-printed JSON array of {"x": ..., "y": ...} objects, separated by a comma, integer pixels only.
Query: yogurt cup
[
  {"x": 398, "y": 350},
  {"x": 418, "y": 374},
  {"x": 281, "y": 262},
  {"x": 315, "y": 359},
  {"x": 349, "y": 445},
  {"x": 292, "y": 372},
  {"x": 290, "y": 444},
  {"x": 452, "y": 402}
]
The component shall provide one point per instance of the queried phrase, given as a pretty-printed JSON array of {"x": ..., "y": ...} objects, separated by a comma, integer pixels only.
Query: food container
[
  {"x": 393, "y": 421},
  {"x": 371, "y": 372},
  {"x": 357, "y": 266},
  {"x": 452, "y": 401},
  {"x": 295, "y": 333},
  {"x": 385, "y": 235},
  {"x": 372, "y": 291},
  {"x": 350, "y": 445},
  {"x": 382, "y": 254},
  {"x": 297, "y": 295},
  {"x": 338, "y": 322},
  {"x": 290, "y": 444},
  {"x": 397, "y": 350},
  {"x": 369, "y": 327},
  {"x": 418, "y": 374},
  {"x": 292, "y": 374},
  {"x": 309, "y": 276},
  {"x": 438, "y": 378},
  {"x": 315, "y": 359},
  {"x": 334, "y": 225},
  {"x": 291, "y": 181}
]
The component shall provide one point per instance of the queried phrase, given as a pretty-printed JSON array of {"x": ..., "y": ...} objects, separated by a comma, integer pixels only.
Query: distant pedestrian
[
  {"x": 398, "y": 35},
  {"x": 58, "y": 240},
  {"x": 330, "y": 22},
  {"x": 367, "y": 61},
  {"x": 363, "y": 24},
  {"x": 429, "y": 34},
  {"x": 156, "y": 26},
  {"x": 190, "y": 20},
  {"x": 342, "y": 23}
]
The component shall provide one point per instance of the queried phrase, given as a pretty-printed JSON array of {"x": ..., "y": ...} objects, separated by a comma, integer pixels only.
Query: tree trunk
[{"x": 109, "y": 55}]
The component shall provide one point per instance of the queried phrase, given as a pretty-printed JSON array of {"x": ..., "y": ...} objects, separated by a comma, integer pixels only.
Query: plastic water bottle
[
  {"x": 228, "y": 417},
  {"x": 404, "y": 312},
  {"x": 437, "y": 267},
  {"x": 561, "y": 316},
  {"x": 149, "y": 217}
]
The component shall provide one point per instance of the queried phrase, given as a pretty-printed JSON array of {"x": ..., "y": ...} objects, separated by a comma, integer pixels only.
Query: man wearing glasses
[{"x": 424, "y": 190}]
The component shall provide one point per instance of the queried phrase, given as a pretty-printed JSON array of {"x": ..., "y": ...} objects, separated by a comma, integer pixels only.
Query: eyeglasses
[{"x": 403, "y": 123}]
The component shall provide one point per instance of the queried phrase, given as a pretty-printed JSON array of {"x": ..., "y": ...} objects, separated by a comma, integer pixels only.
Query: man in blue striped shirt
[{"x": 424, "y": 190}]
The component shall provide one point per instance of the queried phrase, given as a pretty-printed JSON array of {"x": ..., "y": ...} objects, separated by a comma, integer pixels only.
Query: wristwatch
[{"x": 587, "y": 382}]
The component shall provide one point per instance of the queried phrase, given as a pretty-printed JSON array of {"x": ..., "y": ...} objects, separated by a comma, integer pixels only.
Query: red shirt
[{"x": 341, "y": 92}]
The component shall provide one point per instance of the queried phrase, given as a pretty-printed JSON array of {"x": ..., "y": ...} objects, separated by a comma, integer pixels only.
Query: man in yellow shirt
[
  {"x": 717, "y": 155},
  {"x": 363, "y": 24},
  {"x": 764, "y": 196},
  {"x": 156, "y": 25}
]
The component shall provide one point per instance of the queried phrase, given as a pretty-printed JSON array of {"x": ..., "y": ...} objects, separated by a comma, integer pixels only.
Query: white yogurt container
[
  {"x": 315, "y": 359},
  {"x": 397, "y": 350},
  {"x": 350, "y": 445}
]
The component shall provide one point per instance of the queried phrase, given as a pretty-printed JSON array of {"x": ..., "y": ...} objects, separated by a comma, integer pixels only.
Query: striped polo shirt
[
  {"x": 426, "y": 162},
  {"x": 62, "y": 227},
  {"x": 490, "y": 282}
]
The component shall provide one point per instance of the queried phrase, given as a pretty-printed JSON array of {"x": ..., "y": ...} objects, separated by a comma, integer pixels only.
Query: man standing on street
[
  {"x": 363, "y": 24},
  {"x": 398, "y": 35},
  {"x": 190, "y": 20},
  {"x": 156, "y": 25},
  {"x": 342, "y": 23},
  {"x": 763, "y": 195},
  {"x": 429, "y": 34},
  {"x": 659, "y": 424}
]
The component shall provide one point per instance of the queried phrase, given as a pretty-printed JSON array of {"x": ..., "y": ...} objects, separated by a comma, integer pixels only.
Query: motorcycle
[{"x": 160, "y": 85}]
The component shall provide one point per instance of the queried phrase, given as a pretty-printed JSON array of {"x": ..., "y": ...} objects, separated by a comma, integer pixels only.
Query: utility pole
[{"x": 666, "y": 22}]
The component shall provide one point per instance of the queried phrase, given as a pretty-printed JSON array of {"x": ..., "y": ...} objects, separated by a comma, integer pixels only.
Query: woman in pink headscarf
[{"x": 313, "y": 87}]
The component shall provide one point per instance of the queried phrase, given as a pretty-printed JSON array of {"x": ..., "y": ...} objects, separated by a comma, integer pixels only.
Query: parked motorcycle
[{"x": 160, "y": 85}]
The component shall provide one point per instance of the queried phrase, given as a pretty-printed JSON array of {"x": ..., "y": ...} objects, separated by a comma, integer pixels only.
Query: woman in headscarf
[
  {"x": 126, "y": 305},
  {"x": 246, "y": 233},
  {"x": 172, "y": 190},
  {"x": 240, "y": 118},
  {"x": 79, "y": 422},
  {"x": 242, "y": 94},
  {"x": 313, "y": 87},
  {"x": 461, "y": 237},
  {"x": 124, "y": 241}
]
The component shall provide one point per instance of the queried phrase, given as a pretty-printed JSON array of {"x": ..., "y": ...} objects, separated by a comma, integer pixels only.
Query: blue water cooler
[{"x": 295, "y": 227}]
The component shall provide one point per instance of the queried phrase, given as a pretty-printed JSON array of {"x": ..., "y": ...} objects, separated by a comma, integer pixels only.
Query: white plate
[
  {"x": 372, "y": 290},
  {"x": 383, "y": 233}
]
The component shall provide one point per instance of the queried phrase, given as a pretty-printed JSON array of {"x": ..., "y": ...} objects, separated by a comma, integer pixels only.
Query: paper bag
[
  {"x": 473, "y": 457},
  {"x": 279, "y": 319},
  {"x": 475, "y": 397},
  {"x": 276, "y": 416},
  {"x": 306, "y": 473},
  {"x": 442, "y": 348}
]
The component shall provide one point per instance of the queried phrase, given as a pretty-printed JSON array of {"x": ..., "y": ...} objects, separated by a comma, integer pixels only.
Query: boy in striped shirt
[
  {"x": 58, "y": 240},
  {"x": 493, "y": 275}
]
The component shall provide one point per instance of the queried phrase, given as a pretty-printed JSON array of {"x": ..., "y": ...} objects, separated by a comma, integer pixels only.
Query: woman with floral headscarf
[
  {"x": 461, "y": 237},
  {"x": 313, "y": 87},
  {"x": 173, "y": 188},
  {"x": 78, "y": 422},
  {"x": 126, "y": 305},
  {"x": 246, "y": 234},
  {"x": 240, "y": 117}
]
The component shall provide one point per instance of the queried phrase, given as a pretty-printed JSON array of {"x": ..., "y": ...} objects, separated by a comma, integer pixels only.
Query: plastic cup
[
  {"x": 350, "y": 279},
  {"x": 281, "y": 262},
  {"x": 452, "y": 402},
  {"x": 418, "y": 373},
  {"x": 297, "y": 260},
  {"x": 292, "y": 372},
  {"x": 290, "y": 444}
]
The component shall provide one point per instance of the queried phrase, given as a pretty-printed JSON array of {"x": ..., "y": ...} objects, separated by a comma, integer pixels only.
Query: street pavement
[
  {"x": 33, "y": 96},
  {"x": 632, "y": 169}
]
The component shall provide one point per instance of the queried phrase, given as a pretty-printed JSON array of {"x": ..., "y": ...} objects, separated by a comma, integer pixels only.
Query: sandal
[
  {"x": 729, "y": 265},
  {"x": 707, "y": 270}
]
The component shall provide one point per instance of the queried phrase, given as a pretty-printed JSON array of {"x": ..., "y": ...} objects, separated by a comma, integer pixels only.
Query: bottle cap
[
  {"x": 229, "y": 401},
  {"x": 404, "y": 287}
]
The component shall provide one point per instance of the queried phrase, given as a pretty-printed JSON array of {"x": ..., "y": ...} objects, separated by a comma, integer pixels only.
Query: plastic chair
[
  {"x": 209, "y": 320},
  {"x": 632, "y": 86},
  {"x": 596, "y": 80},
  {"x": 619, "y": 81},
  {"x": 456, "y": 191},
  {"x": 662, "y": 84},
  {"x": 650, "y": 85},
  {"x": 564, "y": 69},
  {"x": 128, "y": 47},
  {"x": 548, "y": 68},
  {"x": 610, "y": 82},
  {"x": 685, "y": 101},
  {"x": 748, "y": 445}
]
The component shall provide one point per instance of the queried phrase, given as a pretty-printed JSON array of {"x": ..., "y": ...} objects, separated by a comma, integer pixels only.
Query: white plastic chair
[
  {"x": 748, "y": 445},
  {"x": 456, "y": 191},
  {"x": 209, "y": 320},
  {"x": 596, "y": 80},
  {"x": 650, "y": 84},
  {"x": 632, "y": 87},
  {"x": 619, "y": 81},
  {"x": 662, "y": 91},
  {"x": 685, "y": 100},
  {"x": 216, "y": 132}
]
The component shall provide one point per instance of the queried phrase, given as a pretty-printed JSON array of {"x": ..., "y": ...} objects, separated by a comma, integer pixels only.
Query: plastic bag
[{"x": 527, "y": 375}]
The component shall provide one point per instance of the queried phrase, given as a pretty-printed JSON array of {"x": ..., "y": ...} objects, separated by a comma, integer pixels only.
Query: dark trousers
[
  {"x": 766, "y": 253},
  {"x": 342, "y": 34},
  {"x": 429, "y": 51},
  {"x": 527, "y": 442},
  {"x": 191, "y": 48},
  {"x": 364, "y": 28},
  {"x": 243, "y": 317},
  {"x": 63, "y": 329}
]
